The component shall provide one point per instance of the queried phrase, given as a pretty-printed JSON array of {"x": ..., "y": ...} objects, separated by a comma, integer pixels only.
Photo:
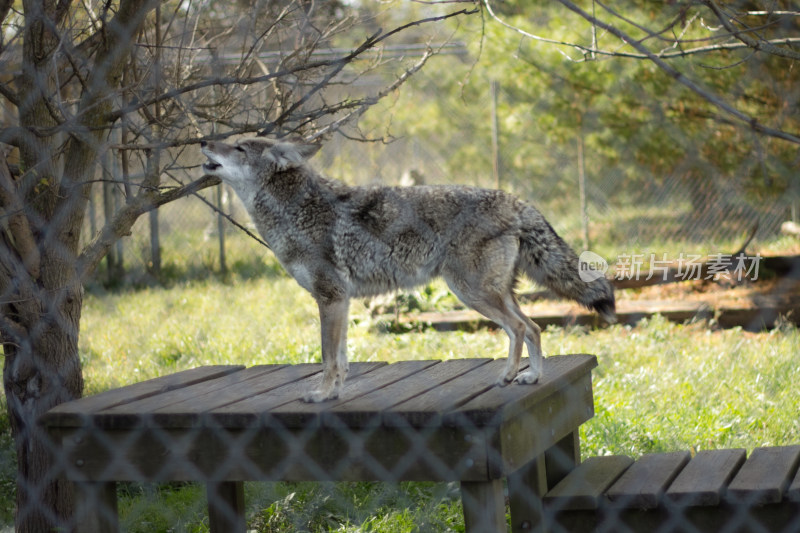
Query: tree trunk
[{"x": 39, "y": 374}]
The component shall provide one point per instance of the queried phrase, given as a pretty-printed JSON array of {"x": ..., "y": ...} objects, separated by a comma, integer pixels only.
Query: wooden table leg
[
  {"x": 529, "y": 484},
  {"x": 526, "y": 487},
  {"x": 484, "y": 506},
  {"x": 96, "y": 507},
  {"x": 562, "y": 458},
  {"x": 226, "y": 507}
]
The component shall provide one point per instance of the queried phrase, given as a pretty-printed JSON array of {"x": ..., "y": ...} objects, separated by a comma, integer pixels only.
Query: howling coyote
[{"x": 341, "y": 242}]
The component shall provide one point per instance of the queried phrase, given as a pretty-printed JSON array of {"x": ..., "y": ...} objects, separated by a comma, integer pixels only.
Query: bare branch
[
  {"x": 366, "y": 103},
  {"x": 588, "y": 53},
  {"x": 678, "y": 76},
  {"x": 122, "y": 222},
  {"x": 337, "y": 64},
  {"x": 5, "y": 7},
  {"x": 8, "y": 93},
  {"x": 232, "y": 220},
  {"x": 755, "y": 44}
]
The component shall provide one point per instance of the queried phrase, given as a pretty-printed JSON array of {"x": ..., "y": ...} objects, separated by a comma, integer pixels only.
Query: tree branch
[
  {"x": 366, "y": 103},
  {"x": 122, "y": 222},
  {"x": 755, "y": 44},
  {"x": 24, "y": 242},
  {"x": 588, "y": 52},
  {"x": 678, "y": 76},
  {"x": 8, "y": 93},
  {"x": 11, "y": 332},
  {"x": 336, "y": 63}
]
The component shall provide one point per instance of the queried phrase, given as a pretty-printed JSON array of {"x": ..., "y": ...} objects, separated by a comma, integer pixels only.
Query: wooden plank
[
  {"x": 484, "y": 506},
  {"x": 362, "y": 410},
  {"x": 189, "y": 412},
  {"x": 337, "y": 412},
  {"x": 765, "y": 476},
  {"x": 243, "y": 440},
  {"x": 74, "y": 413},
  {"x": 198, "y": 394},
  {"x": 704, "y": 480},
  {"x": 260, "y": 453},
  {"x": 583, "y": 488},
  {"x": 186, "y": 414},
  {"x": 255, "y": 408},
  {"x": 643, "y": 484},
  {"x": 557, "y": 371},
  {"x": 428, "y": 407}
]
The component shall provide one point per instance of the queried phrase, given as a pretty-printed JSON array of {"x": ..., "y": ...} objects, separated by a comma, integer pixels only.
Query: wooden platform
[
  {"x": 716, "y": 490},
  {"x": 411, "y": 420}
]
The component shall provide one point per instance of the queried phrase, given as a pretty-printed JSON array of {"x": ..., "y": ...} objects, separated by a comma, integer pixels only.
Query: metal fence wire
[
  {"x": 102, "y": 112},
  {"x": 516, "y": 447},
  {"x": 185, "y": 237},
  {"x": 694, "y": 208}
]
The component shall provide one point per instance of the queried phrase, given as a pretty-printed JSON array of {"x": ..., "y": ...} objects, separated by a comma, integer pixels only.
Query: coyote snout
[{"x": 342, "y": 242}]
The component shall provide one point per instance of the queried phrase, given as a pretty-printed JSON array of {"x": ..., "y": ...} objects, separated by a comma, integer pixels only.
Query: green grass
[{"x": 658, "y": 387}]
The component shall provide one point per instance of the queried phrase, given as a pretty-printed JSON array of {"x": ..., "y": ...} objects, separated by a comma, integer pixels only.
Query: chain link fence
[
  {"x": 91, "y": 92},
  {"x": 694, "y": 208},
  {"x": 184, "y": 238},
  {"x": 511, "y": 455}
]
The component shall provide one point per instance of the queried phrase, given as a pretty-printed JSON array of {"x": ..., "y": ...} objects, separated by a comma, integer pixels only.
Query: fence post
[
  {"x": 155, "y": 157},
  {"x": 223, "y": 266},
  {"x": 493, "y": 87},
  {"x": 112, "y": 267},
  {"x": 118, "y": 202},
  {"x": 582, "y": 191}
]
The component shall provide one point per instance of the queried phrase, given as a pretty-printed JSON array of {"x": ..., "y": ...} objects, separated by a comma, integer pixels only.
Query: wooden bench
[
  {"x": 411, "y": 420},
  {"x": 716, "y": 490}
]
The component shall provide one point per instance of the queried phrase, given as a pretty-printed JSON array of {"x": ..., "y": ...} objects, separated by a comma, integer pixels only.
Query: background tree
[{"x": 147, "y": 81}]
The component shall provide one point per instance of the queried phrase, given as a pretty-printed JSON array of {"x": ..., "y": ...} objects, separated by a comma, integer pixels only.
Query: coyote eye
[{"x": 239, "y": 148}]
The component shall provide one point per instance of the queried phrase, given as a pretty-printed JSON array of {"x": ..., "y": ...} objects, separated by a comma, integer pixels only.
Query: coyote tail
[{"x": 548, "y": 260}]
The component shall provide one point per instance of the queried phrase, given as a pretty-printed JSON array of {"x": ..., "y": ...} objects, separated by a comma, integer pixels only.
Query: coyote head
[{"x": 243, "y": 160}]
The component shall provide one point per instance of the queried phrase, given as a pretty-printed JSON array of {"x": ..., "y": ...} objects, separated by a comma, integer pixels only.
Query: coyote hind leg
[
  {"x": 523, "y": 327},
  {"x": 504, "y": 310},
  {"x": 533, "y": 340}
]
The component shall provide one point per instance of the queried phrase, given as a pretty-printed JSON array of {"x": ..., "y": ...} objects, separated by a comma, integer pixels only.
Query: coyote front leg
[{"x": 333, "y": 326}]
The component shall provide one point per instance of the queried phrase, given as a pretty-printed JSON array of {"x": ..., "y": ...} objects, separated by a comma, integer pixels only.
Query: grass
[{"x": 658, "y": 387}]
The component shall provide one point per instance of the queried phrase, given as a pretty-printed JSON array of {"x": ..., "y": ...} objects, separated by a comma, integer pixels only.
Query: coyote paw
[
  {"x": 528, "y": 378},
  {"x": 319, "y": 395},
  {"x": 503, "y": 380}
]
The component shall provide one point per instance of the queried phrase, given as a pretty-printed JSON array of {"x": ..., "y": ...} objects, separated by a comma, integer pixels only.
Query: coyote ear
[
  {"x": 307, "y": 150},
  {"x": 290, "y": 155}
]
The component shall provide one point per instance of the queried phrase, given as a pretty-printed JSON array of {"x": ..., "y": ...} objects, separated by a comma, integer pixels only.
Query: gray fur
[{"x": 341, "y": 242}]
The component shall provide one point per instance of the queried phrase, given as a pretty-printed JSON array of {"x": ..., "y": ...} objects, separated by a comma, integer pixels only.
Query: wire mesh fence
[
  {"x": 102, "y": 114},
  {"x": 409, "y": 421},
  {"x": 189, "y": 236},
  {"x": 694, "y": 207}
]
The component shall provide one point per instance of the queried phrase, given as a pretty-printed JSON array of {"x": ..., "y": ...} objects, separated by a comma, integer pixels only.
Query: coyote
[{"x": 341, "y": 242}]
